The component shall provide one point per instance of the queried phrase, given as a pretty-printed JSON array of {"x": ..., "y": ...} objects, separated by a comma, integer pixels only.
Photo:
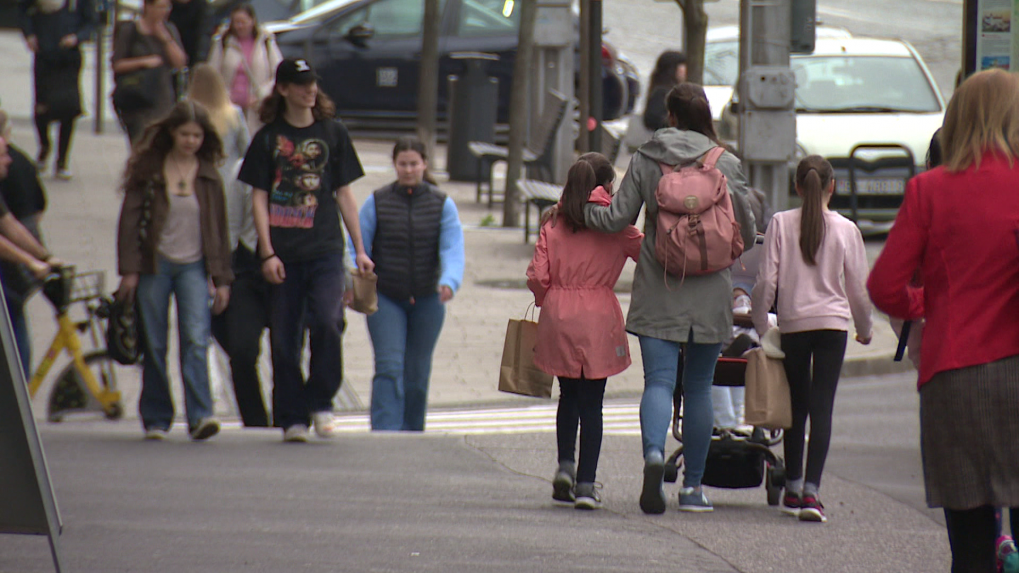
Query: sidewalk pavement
[{"x": 245, "y": 502}]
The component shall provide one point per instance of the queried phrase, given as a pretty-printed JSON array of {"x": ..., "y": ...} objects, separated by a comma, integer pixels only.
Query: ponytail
[
  {"x": 580, "y": 181},
  {"x": 813, "y": 176}
]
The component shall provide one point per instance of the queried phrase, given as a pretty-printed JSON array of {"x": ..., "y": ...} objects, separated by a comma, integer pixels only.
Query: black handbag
[
  {"x": 122, "y": 333},
  {"x": 139, "y": 89}
]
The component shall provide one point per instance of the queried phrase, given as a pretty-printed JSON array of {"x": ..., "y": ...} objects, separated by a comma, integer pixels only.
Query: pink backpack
[{"x": 697, "y": 232}]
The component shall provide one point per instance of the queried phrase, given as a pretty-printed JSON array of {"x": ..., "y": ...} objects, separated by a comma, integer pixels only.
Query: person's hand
[
  {"x": 364, "y": 264},
  {"x": 162, "y": 33},
  {"x": 40, "y": 270},
  {"x": 221, "y": 299},
  {"x": 273, "y": 271},
  {"x": 348, "y": 297},
  {"x": 153, "y": 61},
  {"x": 445, "y": 294},
  {"x": 864, "y": 340},
  {"x": 128, "y": 287},
  {"x": 69, "y": 41},
  {"x": 33, "y": 44}
]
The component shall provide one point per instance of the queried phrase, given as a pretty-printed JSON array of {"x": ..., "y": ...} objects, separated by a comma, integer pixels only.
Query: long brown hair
[
  {"x": 983, "y": 115},
  {"x": 813, "y": 176},
  {"x": 274, "y": 105},
  {"x": 250, "y": 11},
  {"x": 688, "y": 105},
  {"x": 146, "y": 162},
  {"x": 580, "y": 181},
  {"x": 412, "y": 143},
  {"x": 604, "y": 172}
]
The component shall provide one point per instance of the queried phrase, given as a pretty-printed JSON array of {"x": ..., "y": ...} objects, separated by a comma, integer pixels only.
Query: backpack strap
[
  {"x": 666, "y": 168},
  {"x": 711, "y": 157}
]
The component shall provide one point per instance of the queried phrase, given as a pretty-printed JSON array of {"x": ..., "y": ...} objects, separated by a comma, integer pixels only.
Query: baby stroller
[{"x": 736, "y": 459}]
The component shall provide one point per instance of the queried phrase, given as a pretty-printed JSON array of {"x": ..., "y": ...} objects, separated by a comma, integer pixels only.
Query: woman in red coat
[
  {"x": 580, "y": 332},
  {"x": 959, "y": 225}
]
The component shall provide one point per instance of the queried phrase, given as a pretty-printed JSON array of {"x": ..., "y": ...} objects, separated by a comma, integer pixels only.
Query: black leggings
[
  {"x": 813, "y": 362},
  {"x": 972, "y": 533},
  {"x": 42, "y": 125},
  {"x": 580, "y": 400}
]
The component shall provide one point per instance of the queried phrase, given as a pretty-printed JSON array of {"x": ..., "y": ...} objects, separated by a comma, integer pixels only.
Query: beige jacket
[{"x": 227, "y": 58}]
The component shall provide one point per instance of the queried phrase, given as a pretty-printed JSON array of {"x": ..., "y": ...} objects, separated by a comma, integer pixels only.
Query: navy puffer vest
[{"x": 406, "y": 244}]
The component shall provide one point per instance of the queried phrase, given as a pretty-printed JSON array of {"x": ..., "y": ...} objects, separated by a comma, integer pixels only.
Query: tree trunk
[
  {"x": 428, "y": 84},
  {"x": 695, "y": 32},
  {"x": 518, "y": 112}
]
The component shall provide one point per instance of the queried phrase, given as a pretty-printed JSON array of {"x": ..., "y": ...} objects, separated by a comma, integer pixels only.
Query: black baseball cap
[{"x": 295, "y": 71}]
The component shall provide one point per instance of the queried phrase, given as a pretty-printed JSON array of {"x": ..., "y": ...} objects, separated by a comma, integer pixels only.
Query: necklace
[{"x": 182, "y": 184}]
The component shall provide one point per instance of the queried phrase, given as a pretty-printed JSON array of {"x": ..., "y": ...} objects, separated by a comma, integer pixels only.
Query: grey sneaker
[
  {"x": 206, "y": 428},
  {"x": 652, "y": 496},
  {"x": 296, "y": 433},
  {"x": 562, "y": 483},
  {"x": 587, "y": 496},
  {"x": 693, "y": 500}
]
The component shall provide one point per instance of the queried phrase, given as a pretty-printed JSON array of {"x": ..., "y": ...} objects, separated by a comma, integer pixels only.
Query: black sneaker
[
  {"x": 206, "y": 428},
  {"x": 811, "y": 509},
  {"x": 587, "y": 496},
  {"x": 791, "y": 503},
  {"x": 652, "y": 496},
  {"x": 562, "y": 484}
]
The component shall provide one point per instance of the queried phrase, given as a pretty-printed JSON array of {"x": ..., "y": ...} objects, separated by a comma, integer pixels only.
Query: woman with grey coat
[{"x": 667, "y": 312}]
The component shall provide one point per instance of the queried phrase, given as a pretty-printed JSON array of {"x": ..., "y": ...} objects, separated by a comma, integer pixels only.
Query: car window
[
  {"x": 862, "y": 84},
  {"x": 721, "y": 63},
  {"x": 389, "y": 18},
  {"x": 488, "y": 18}
]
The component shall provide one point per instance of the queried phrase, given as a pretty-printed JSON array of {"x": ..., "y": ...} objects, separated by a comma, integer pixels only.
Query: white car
[{"x": 863, "y": 91}]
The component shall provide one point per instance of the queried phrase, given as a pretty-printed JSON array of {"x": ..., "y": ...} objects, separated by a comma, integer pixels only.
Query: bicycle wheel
[{"x": 71, "y": 395}]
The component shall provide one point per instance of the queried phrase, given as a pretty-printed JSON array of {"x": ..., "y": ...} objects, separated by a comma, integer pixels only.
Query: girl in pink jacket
[{"x": 581, "y": 337}]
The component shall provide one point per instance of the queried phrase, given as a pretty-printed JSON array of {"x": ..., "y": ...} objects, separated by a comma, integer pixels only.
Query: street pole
[
  {"x": 518, "y": 112},
  {"x": 428, "y": 80},
  {"x": 100, "y": 76},
  {"x": 594, "y": 77},
  {"x": 584, "y": 85}
]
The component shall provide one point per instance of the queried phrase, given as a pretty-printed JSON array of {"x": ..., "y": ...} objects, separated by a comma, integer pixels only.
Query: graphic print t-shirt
[{"x": 301, "y": 168}]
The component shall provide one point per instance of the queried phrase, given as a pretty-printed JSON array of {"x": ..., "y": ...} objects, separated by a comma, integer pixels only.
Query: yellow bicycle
[{"x": 89, "y": 382}]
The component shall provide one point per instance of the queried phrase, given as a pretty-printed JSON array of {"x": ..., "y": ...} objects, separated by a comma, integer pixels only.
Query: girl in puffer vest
[{"x": 581, "y": 337}]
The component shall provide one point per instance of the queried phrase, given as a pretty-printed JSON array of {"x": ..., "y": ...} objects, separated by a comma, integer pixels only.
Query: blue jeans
[
  {"x": 190, "y": 287},
  {"x": 661, "y": 358},
  {"x": 312, "y": 297},
  {"x": 403, "y": 336},
  {"x": 19, "y": 324}
]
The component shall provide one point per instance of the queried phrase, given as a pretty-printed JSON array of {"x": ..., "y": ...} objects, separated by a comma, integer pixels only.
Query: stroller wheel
[
  {"x": 773, "y": 483},
  {"x": 775, "y": 437},
  {"x": 672, "y": 467}
]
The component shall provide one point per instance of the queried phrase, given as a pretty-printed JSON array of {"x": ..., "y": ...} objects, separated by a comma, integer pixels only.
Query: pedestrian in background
[
  {"x": 54, "y": 31},
  {"x": 246, "y": 56},
  {"x": 581, "y": 339},
  {"x": 670, "y": 71},
  {"x": 238, "y": 329},
  {"x": 667, "y": 313},
  {"x": 24, "y": 196},
  {"x": 815, "y": 265},
  {"x": 193, "y": 21},
  {"x": 412, "y": 231},
  {"x": 957, "y": 224},
  {"x": 150, "y": 42},
  {"x": 173, "y": 240},
  {"x": 300, "y": 166}
]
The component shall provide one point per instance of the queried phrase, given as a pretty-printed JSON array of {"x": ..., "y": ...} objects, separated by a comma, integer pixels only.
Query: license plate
[{"x": 872, "y": 186}]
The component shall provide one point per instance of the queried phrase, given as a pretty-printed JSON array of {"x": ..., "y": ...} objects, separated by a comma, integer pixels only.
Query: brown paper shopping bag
[
  {"x": 366, "y": 299},
  {"x": 768, "y": 404},
  {"x": 518, "y": 374}
]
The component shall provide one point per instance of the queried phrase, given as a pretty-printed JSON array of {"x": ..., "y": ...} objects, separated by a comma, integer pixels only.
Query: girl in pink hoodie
[
  {"x": 816, "y": 266},
  {"x": 581, "y": 338}
]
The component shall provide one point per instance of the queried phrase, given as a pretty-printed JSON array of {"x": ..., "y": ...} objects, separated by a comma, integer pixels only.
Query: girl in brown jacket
[{"x": 173, "y": 240}]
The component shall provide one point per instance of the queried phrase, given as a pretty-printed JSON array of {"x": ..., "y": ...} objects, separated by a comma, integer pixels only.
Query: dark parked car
[{"x": 368, "y": 53}]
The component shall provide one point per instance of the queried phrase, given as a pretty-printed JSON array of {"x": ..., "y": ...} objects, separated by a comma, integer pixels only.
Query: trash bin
[{"x": 473, "y": 102}]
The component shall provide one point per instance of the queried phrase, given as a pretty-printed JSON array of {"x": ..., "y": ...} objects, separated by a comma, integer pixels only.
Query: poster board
[
  {"x": 27, "y": 503},
  {"x": 991, "y": 35}
]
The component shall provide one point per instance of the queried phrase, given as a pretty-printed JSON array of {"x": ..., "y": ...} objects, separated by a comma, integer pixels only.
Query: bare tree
[
  {"x": 518, "y": 112},
  {"x": 695, "y": 30},
  {"x": 428, "y": 83}
]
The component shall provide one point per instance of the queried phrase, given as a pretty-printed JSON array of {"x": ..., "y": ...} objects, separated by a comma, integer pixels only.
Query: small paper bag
[
  {"x": 366, "y": 300},
  {"x": 768, "y": 403},
  {"x": 518, "y": 374}
]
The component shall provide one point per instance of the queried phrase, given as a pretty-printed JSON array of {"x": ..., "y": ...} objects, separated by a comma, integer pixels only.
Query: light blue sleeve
[
  {"x": 451, "y": 246},
  {"x": 368, "y": 224}
]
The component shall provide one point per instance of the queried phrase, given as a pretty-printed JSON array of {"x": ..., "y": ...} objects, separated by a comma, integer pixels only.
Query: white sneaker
[
  {"x": 296, "y": 433},
  {"x": 325, "y": 424},
  {"x": 156, "y": 434}
]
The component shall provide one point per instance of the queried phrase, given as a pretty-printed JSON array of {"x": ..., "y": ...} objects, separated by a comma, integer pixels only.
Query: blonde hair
[
  {"x": 982, "y": 116},
  {"x": 208, "y": 89}
]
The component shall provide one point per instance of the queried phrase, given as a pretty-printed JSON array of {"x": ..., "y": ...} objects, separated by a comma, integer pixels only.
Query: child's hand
[{"x": 864, "y": 340}]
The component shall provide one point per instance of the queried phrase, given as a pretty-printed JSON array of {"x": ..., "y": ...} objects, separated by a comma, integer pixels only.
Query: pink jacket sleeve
[
  {"x": 855, "y": 270},
  {"x": 538, "y": 272},
  {"x": 889, "y": 282},
  {"x": 766, "y": 285}
]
